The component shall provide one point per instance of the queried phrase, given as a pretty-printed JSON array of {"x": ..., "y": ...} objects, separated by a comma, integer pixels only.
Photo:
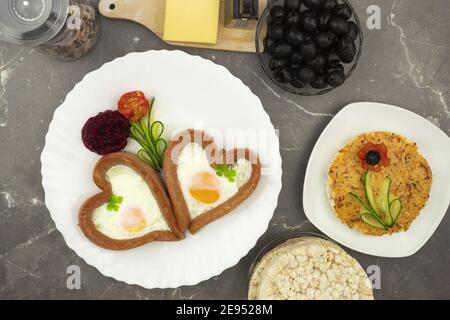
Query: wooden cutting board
[{"x": 150, "y": 13}]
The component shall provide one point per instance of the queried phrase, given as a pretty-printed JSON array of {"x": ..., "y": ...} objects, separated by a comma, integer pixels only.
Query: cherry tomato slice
[{"x": 133, "y": 105}]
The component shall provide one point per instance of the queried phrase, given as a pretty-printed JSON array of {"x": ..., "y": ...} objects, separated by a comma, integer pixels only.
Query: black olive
[
  {"x": 328, "y": 5},
  {"x": 276, "y": 32},
  {"x": 325, "y": 39},
  {"x": 294, "y": 36},
  {"x": 312, "y": 4},
  {"x": 275, "y": 23},
  {"x": 296, "y": 60},
  {"x": 296, "y": 82},
  {"x": 345, "y": 43},
  {"x": 308, "y": 49},
  {"x": 373, "y": 157},
  {"x": 269, "y": 45},
  {"x": 279, "y": 77},
  {"x": 317, "y": 63},
  {"x": 353, "y": 30},
  {"x": 306, "y": 74},
  {"x": 337, "y": 67},
  {"x": 346, "y": 49},
  {"x": 338, "y": 26},
  {"x": 277, "y": 13},
  {"x": 282, "y": 50},
  {"x": 307, "y": 11},
  {"x": 323, "y": 20},
  {"x": 287, "y": 74},
  {"x": 276, "y": 64},
  {"x": 332, "y": 58},
  {"x": 347, "y": 56},
  {"x": 343, "y": 11},
  {"x": 320, "y": 82},
  {"x": 292, "y": 4},
  {"x": 336, "y": 78},
  {"x": 310, "y": 22},
  {"x": 293, "y": 18}
]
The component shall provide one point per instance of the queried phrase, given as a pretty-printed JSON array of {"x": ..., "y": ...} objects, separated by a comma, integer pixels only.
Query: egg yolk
[
  {"x": 204, "y": 188},
  {"x": 133, "y": 220}
]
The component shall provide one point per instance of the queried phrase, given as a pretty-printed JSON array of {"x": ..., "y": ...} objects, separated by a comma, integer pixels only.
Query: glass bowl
[
  {"x": 264, "y": 57},
  {"x": 278, "y": 241}
]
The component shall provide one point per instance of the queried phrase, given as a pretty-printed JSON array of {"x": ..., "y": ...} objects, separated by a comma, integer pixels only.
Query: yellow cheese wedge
[{"x": 191, "y": 21}]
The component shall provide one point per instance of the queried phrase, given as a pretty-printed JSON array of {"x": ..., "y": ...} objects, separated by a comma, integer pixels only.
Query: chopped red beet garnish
[{"x": 105, "y": 133}]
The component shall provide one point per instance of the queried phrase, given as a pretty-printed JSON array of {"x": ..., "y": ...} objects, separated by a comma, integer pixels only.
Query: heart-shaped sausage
[
  {"x": 187, "y": 220},
  {"x": 165, "y": 215}
]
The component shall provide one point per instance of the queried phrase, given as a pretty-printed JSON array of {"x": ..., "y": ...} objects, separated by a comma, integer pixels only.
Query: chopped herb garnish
[
  {"x": 224, "y": 170},
  {"x": 114, "y": 202}
]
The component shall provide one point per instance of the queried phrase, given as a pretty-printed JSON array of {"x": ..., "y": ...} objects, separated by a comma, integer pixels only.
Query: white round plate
[
  {"x": 190, "y": 92},
  {"x": 362, "y": 117}
]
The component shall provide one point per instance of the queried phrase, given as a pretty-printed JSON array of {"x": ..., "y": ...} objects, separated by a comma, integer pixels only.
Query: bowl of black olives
[{"x": 309, "y": 47}]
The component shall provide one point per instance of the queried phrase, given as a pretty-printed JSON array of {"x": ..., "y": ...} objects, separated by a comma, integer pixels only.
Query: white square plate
[{"x": 359, "y": 118}]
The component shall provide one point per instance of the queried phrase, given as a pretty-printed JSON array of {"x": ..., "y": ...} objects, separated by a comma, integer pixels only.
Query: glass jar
[{"x": 64, "y": 29}]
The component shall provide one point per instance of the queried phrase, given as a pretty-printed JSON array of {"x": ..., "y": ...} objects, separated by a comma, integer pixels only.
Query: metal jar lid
[{"x": 31, "y": 22}]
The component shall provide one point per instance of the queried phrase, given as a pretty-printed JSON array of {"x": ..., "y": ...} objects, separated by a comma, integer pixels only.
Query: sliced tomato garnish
[
  {"x": 381, "y": 149},
  {"x": 385, "y": 161},
  {"x": 367, "y": 147},
  {"x": 133, "y": 105}
]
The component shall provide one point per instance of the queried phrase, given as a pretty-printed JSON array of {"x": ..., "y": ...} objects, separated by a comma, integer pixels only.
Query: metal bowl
[{"x": 264, "y": 57}]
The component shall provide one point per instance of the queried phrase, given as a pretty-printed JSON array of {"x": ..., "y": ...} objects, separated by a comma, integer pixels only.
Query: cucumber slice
[
  {"x": 392, "y": 197},
  {"x": 363, "y": 204},
  {"x": 369, "y": 219},
  {"x": 395, "y": 208},
  {"x": 368, "y": 188},
  {"x": 384, "y": 196},
  {"x": 384, "y": 201}
]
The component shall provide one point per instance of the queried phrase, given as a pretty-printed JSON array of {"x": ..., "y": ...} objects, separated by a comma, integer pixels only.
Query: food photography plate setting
[{"x": 224, "y": 150}]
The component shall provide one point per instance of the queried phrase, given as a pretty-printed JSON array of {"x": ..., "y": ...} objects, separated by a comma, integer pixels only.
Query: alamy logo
[
  {"x": 374, "y": 273},
  {"x": 74, "y": 19},
  {"x": 73, "y": 282},
  {"x": 374, "y": 19}
]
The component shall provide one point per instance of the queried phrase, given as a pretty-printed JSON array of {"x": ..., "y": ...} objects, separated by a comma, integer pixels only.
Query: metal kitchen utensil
[{"x": 241, "y": 14}]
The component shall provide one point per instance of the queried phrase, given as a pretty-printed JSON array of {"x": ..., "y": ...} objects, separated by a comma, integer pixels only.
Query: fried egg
[
  {"x": 202, "y": 188},
  {"x": 137, "y": 214}
]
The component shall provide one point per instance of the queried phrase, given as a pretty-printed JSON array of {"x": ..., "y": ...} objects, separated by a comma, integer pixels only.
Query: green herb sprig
[
  {"x": 148, "y": 134},
  {"x": 224, "y": 170},
  {"x": 113, "y": 203}
]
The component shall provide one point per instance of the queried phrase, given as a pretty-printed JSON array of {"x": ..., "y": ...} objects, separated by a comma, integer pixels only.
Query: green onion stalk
[{"x": 148, "y": 134}]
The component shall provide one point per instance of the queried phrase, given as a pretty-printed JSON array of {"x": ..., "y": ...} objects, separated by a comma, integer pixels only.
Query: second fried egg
[{"x": 202, "y": 188}]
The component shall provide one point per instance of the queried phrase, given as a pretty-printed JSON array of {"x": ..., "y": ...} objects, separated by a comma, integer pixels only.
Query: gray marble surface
[{"x": 406, "y": 63}]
